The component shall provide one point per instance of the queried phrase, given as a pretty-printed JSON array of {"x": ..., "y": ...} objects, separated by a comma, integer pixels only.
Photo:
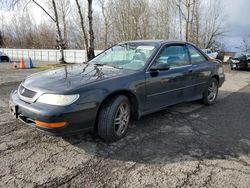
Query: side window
[
  {"x": 175, "y": 56},
  {"x": 196, "y": 56}
]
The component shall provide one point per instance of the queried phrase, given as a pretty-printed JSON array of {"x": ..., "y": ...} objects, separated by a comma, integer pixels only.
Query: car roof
[{"x": 155, "y": 42}]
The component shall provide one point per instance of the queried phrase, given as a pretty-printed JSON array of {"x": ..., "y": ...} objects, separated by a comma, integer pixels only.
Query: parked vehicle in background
[
  {"x": 210, "y": 53},
  {"x": 126, "y": 81},
  {"x": 4, "y": 57},
  {"x": 241, "y": 60}
]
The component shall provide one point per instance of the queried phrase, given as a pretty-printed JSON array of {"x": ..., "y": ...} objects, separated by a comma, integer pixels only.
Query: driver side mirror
[{"x": 160, "y": 67}]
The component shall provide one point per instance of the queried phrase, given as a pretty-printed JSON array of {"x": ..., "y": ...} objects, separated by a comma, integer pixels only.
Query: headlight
[
  {"x": 221, "y": 70},
  {"x": 58, "y": 100}
]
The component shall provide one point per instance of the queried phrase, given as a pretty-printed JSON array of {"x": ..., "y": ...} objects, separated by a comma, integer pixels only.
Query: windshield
[{"x": 132, "y": 56}]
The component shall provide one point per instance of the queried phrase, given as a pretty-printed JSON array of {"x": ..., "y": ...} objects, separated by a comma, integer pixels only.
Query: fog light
[{"x": 51, "y": 125}]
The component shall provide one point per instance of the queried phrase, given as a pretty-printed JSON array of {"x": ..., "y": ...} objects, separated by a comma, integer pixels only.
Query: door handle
[{"x": 190, "y": 70}]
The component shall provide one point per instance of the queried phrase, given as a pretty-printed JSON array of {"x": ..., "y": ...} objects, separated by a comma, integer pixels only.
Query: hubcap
[
  {"x": 122, "y": 119},
  {"x": 212, "y": 91}
]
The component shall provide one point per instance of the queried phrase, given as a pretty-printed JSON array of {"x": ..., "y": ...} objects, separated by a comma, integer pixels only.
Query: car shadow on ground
[{"x": 219, "y": 131}]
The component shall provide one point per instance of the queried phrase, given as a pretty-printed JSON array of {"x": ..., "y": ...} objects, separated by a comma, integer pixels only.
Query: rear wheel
[
  {"x": 211, "y": 93},
  {"x": 114, "y": 118}
]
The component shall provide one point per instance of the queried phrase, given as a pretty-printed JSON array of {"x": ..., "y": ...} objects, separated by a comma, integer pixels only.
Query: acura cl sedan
[{"x": 128, "y": 80}]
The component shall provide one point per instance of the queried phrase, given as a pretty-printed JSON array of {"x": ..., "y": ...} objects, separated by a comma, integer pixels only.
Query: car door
[
  {"x": 201, "y": 71},
  {"x": 169, "y": 87}
]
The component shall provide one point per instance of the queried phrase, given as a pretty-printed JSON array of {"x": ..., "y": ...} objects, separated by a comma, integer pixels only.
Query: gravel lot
[{"x": 186, "y": 145}]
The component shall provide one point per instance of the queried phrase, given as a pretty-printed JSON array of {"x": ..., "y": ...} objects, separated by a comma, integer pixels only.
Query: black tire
[
  {"x": 108, "y": 120},
  {"x": 208, "y": 97}
]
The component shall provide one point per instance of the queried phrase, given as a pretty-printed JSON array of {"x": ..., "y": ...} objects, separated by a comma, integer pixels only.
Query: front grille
[{"x": 26, "y": 92}]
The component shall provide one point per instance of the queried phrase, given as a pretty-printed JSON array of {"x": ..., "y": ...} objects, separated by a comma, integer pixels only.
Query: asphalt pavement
[{"x": 186, "y": 145}]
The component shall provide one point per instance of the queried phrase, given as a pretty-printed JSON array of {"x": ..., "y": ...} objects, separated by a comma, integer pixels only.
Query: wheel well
[
  {"x": 132, "y": 99},
  {"x": 217, "y": 78}
]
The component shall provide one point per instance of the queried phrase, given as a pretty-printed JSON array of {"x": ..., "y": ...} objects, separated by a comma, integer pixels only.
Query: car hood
[{"x": 72, "y": 77}]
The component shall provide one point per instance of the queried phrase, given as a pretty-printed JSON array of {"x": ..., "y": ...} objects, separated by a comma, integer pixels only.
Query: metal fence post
[{"x": 74, "y": 57}]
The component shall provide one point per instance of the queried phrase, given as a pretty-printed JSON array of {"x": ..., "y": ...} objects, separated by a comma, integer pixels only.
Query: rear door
[{"x": 171, "y": 86}]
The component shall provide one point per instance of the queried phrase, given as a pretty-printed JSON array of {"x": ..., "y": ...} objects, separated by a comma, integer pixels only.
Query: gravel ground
[{"x": 186, "y": 145}]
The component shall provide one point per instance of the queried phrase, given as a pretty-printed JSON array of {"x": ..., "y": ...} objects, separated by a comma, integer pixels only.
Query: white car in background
[{"x": 210, "y": 53}]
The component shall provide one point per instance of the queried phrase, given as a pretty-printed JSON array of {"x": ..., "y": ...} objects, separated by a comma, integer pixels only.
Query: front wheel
[
  {"x": 211, "y": 92},
  {"x": 114, "y": 118}
]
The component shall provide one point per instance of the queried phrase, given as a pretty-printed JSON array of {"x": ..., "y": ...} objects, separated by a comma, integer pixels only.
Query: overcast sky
[{"x": 237, "y": 18}]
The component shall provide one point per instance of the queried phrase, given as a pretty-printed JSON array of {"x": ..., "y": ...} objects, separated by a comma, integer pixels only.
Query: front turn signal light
[{"x": 50, "y": 125}]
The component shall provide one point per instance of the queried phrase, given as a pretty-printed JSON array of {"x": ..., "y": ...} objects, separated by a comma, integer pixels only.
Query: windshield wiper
[
  {"x": 117, "y": 67},
  {"x": 99, "y": 64},
  {"x": 106, "y": 64}
]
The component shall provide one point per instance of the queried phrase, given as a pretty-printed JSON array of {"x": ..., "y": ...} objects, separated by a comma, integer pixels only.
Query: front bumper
[
  {"x": 239, "y": 65},
  {"x": 222, "y": 79},
  {"x": 79, "y": 118}
]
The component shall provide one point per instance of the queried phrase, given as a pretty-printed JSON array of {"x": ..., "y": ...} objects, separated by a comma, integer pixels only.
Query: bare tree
[
  {"x": 91, "y": 51},
  {"x": 212, "y": 24},
  {"x": 130, "y": 19},
  {"x": 197, "y": 16},
  {"x": 59, "y": 34},
  {"x": 103, "y": 4},
  {"x": 64, "y": 9},
  {"x": 23, "y": 32},
  {"x": 185, "y": 13},
  {"x": 85, "y": 36},
  {"x": 78, "y": 26},
  {"x": 245, "y": 45},
  {"x": 187, "y": 18},
  {"x": 88, "y": 36},
  {"x": 162, "y": 18},
  {"x": 54, "y": 18},
  {"x": 1, "y": 39}
]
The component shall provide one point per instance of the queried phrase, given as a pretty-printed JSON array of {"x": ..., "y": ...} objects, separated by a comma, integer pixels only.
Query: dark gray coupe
[{"x": 126, "y": 81}]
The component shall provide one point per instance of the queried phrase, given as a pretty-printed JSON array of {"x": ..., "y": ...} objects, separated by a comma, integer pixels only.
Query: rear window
[{"x": 196, "y": 56}]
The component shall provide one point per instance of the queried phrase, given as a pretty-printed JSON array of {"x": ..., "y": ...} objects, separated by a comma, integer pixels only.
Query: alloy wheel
[
  {"x": 212, "y": 92},
  {"x": 122, "y": 119}
]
